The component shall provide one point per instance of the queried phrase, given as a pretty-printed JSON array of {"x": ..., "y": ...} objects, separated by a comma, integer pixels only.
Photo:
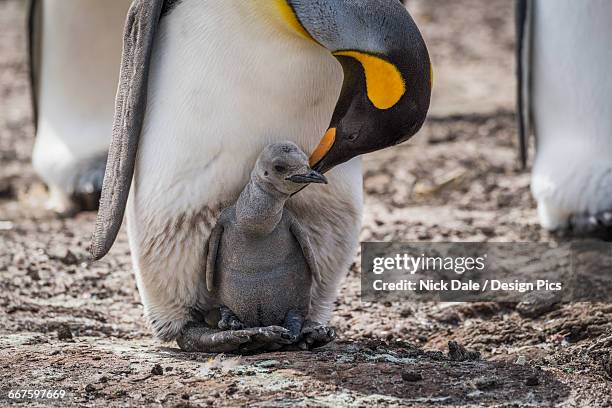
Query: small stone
[
  {"x": 32, "y": 272},
  {"x": 435, "y": 355},
  {"x": 485, "y": 383},
  {"x": 457, "y": 352},
  {"x": 69, "y": 258},
  {"x": 449, "y": 317},
  {"x": 411, "y": 376},
  {"x": 534, "y": 305},
  {"x": 232, "y": 389},
  {"x": 90, "y": 388},
  {"x": 268, "y": 363},
  {"x": 64, "y": 333},
  {"x": 7, "y": 190},
  {"x": 607, "y": 365},
  {"x": 532, "y": 380},
  {"x": 521, "y": 360},
  {"x": 157, "y": 370}
]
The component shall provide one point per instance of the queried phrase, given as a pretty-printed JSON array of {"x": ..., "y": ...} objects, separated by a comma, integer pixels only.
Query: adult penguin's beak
[
  {"x": 309, "y": 177},
  {"x": 387, "y": 74}
]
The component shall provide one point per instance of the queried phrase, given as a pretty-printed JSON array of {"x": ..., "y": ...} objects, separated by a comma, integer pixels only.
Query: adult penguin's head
[{"x": 387, "y": 73}]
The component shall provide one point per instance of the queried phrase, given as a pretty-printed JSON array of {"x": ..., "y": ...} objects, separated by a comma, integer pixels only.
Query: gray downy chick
[{"x": 259, "y": 261}]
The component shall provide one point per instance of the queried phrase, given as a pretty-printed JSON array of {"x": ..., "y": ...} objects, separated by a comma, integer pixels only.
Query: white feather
[{"x": 572, "y": 99}]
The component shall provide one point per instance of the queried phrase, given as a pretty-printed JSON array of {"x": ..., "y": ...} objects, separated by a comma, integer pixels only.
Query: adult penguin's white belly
[
  {"x": 224, "y": 83},
  {"x": 572, "y": 108}
]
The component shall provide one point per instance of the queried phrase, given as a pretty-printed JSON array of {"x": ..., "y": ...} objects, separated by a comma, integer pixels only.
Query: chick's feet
[
  {"x": 228, "y": 320},
  {"x": 315, "y": 335},
  {"x": 198, "y": 337}
]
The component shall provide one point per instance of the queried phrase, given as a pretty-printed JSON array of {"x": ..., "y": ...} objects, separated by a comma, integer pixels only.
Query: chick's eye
[{"x": 279, "y": 168}]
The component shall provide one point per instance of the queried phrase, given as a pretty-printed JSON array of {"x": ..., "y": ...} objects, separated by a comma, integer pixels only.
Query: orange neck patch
[
  {"x": 324, "y": 146},
  {"x": 288, "y": 15}
]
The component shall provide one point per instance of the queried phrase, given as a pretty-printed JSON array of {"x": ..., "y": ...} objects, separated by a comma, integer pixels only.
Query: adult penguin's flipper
[
  {"x": 524, "y": 38},
  {"x": 130, "y": 105},
  {"x": 34, "y": 48}
]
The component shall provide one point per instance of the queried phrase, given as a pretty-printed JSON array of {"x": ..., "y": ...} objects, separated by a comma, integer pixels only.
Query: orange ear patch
[{"x": 384, "y": 82}]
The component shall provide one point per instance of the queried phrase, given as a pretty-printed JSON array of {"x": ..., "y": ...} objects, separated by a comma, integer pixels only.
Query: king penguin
[
  {"x": 205, "y": 86},
  {"x": 565, "y": 100},
  {"x": 75, "y": 51}
]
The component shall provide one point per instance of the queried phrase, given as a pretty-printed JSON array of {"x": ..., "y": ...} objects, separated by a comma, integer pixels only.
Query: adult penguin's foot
[
  {"x": 315, "y": 335},
  {"x": 87, "y": 183},
  {"x": 572, "y": 184},
  {"x": 79, "y": 189},
  {"x": 198, "y": 337},
  {"x": 598, "y": 225}
]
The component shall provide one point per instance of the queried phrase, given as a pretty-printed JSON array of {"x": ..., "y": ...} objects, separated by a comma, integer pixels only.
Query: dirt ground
[{"x": 68, "y": 325}]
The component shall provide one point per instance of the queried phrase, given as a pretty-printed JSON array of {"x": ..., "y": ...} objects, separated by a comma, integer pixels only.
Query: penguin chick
[{"x": 259, "y": 262}]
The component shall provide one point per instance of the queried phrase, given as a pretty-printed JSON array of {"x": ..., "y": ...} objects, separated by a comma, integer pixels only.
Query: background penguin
[
  {"x": 75, "y": 50},
  {"x": 206, "y": 87},
  {"x": 565, "y": 99}
]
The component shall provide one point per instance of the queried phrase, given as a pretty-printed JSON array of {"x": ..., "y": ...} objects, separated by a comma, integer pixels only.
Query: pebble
[
  {"x": 157, "y": 370},
  {"x": 6, "y": 225},
  {"x": 268, "y": 363},
  {"x": 485, "y": 383},
  {"x": 411, "y": 376},
  {"x": 532, "y": 380},
  {"x": 457, "y": 352},
  {"x": 521, "y": 360},
  {"x": 64, "y": 333}
]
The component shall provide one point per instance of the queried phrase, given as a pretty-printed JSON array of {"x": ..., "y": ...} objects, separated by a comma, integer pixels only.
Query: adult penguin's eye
[{"x": 280, "y": 169}]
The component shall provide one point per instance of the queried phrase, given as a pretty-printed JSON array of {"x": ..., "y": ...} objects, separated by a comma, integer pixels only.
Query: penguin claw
[
  {"x": 269, "y": 338},
  {"x": 316, "y": 335},
  {"x": 273, "y": 334},
  {"x": 595, "y": 225},
  {"x": 230, "y": 323}
]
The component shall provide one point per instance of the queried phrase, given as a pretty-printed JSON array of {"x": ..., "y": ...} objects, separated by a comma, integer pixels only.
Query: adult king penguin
[
  {"x": 75, "y": 49},
  {"x": 565, "y": 99},
  {"x": 204, "y": 86}
]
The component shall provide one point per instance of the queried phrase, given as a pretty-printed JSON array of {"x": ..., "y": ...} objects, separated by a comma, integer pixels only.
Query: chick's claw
[
  {"x": 229, "y": 321},
  {"x": 316, "y": 335}
]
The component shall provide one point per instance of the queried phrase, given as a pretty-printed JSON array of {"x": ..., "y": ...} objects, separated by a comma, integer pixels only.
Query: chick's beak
[{"x": 311, "y": 176}]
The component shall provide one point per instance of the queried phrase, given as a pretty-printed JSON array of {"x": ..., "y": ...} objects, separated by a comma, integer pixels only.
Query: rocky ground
[{"x": 68, "y": 325}]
